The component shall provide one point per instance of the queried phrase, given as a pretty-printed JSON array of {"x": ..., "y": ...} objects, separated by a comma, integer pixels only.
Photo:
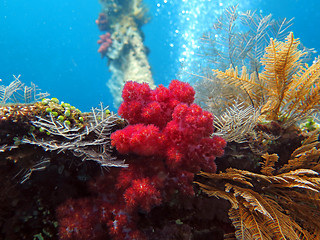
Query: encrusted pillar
[{"x": 127, "y": 55}]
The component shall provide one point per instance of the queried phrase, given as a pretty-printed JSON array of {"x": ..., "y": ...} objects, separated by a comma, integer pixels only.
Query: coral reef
[
  {"x": 48, "y": 151},
  {"x": 167, "y": 132},
  {"x": 127, "y": 55},
  {"x": 164, "y": 171},
  {"x": 276, "y": 197}
]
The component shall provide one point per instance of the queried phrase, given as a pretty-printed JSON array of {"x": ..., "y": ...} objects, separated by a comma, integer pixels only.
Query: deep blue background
[{"x": 54, "y": 44}]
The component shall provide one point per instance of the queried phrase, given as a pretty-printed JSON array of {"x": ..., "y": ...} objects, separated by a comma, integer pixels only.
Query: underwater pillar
[{"x": 123, "y": 45}]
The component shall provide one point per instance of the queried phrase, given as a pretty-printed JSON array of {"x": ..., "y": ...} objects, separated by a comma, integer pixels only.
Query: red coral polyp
[
  {"x": 144, "y": 140},
  {"x": 143, "y": 105},
  {"x": 136, "y": 91},
  {"x": 182, "y": 92},
  {"x": 199, "y": 123},
  {"x": 142, "y": 194},
  {"x": 79, "y": 219}
]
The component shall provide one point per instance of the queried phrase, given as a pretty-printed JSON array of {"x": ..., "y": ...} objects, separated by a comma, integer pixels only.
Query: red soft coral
[
  {"x": 144, "y": 140},
  {"x": 136, "y": 96},
  {"x": 168, "y": 124},
  {"x": 79, "y": 219},
  {"x": 142, "y": 194},
  {"x": 167, "y": 141},
  {"x": 181, "y": 91},
  {"x": 190, "y": 146},
  {"x": 143, "y": 105}
]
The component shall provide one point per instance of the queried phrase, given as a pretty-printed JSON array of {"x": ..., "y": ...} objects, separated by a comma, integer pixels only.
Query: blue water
[{"x": 54, "y": 43}]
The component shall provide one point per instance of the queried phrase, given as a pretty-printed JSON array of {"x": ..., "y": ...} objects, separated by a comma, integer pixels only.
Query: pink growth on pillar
[{"x": 105, "y": 42}]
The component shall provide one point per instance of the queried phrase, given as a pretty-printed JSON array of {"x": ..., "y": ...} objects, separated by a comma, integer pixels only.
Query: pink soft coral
[{"x": 105, "y": 42}]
